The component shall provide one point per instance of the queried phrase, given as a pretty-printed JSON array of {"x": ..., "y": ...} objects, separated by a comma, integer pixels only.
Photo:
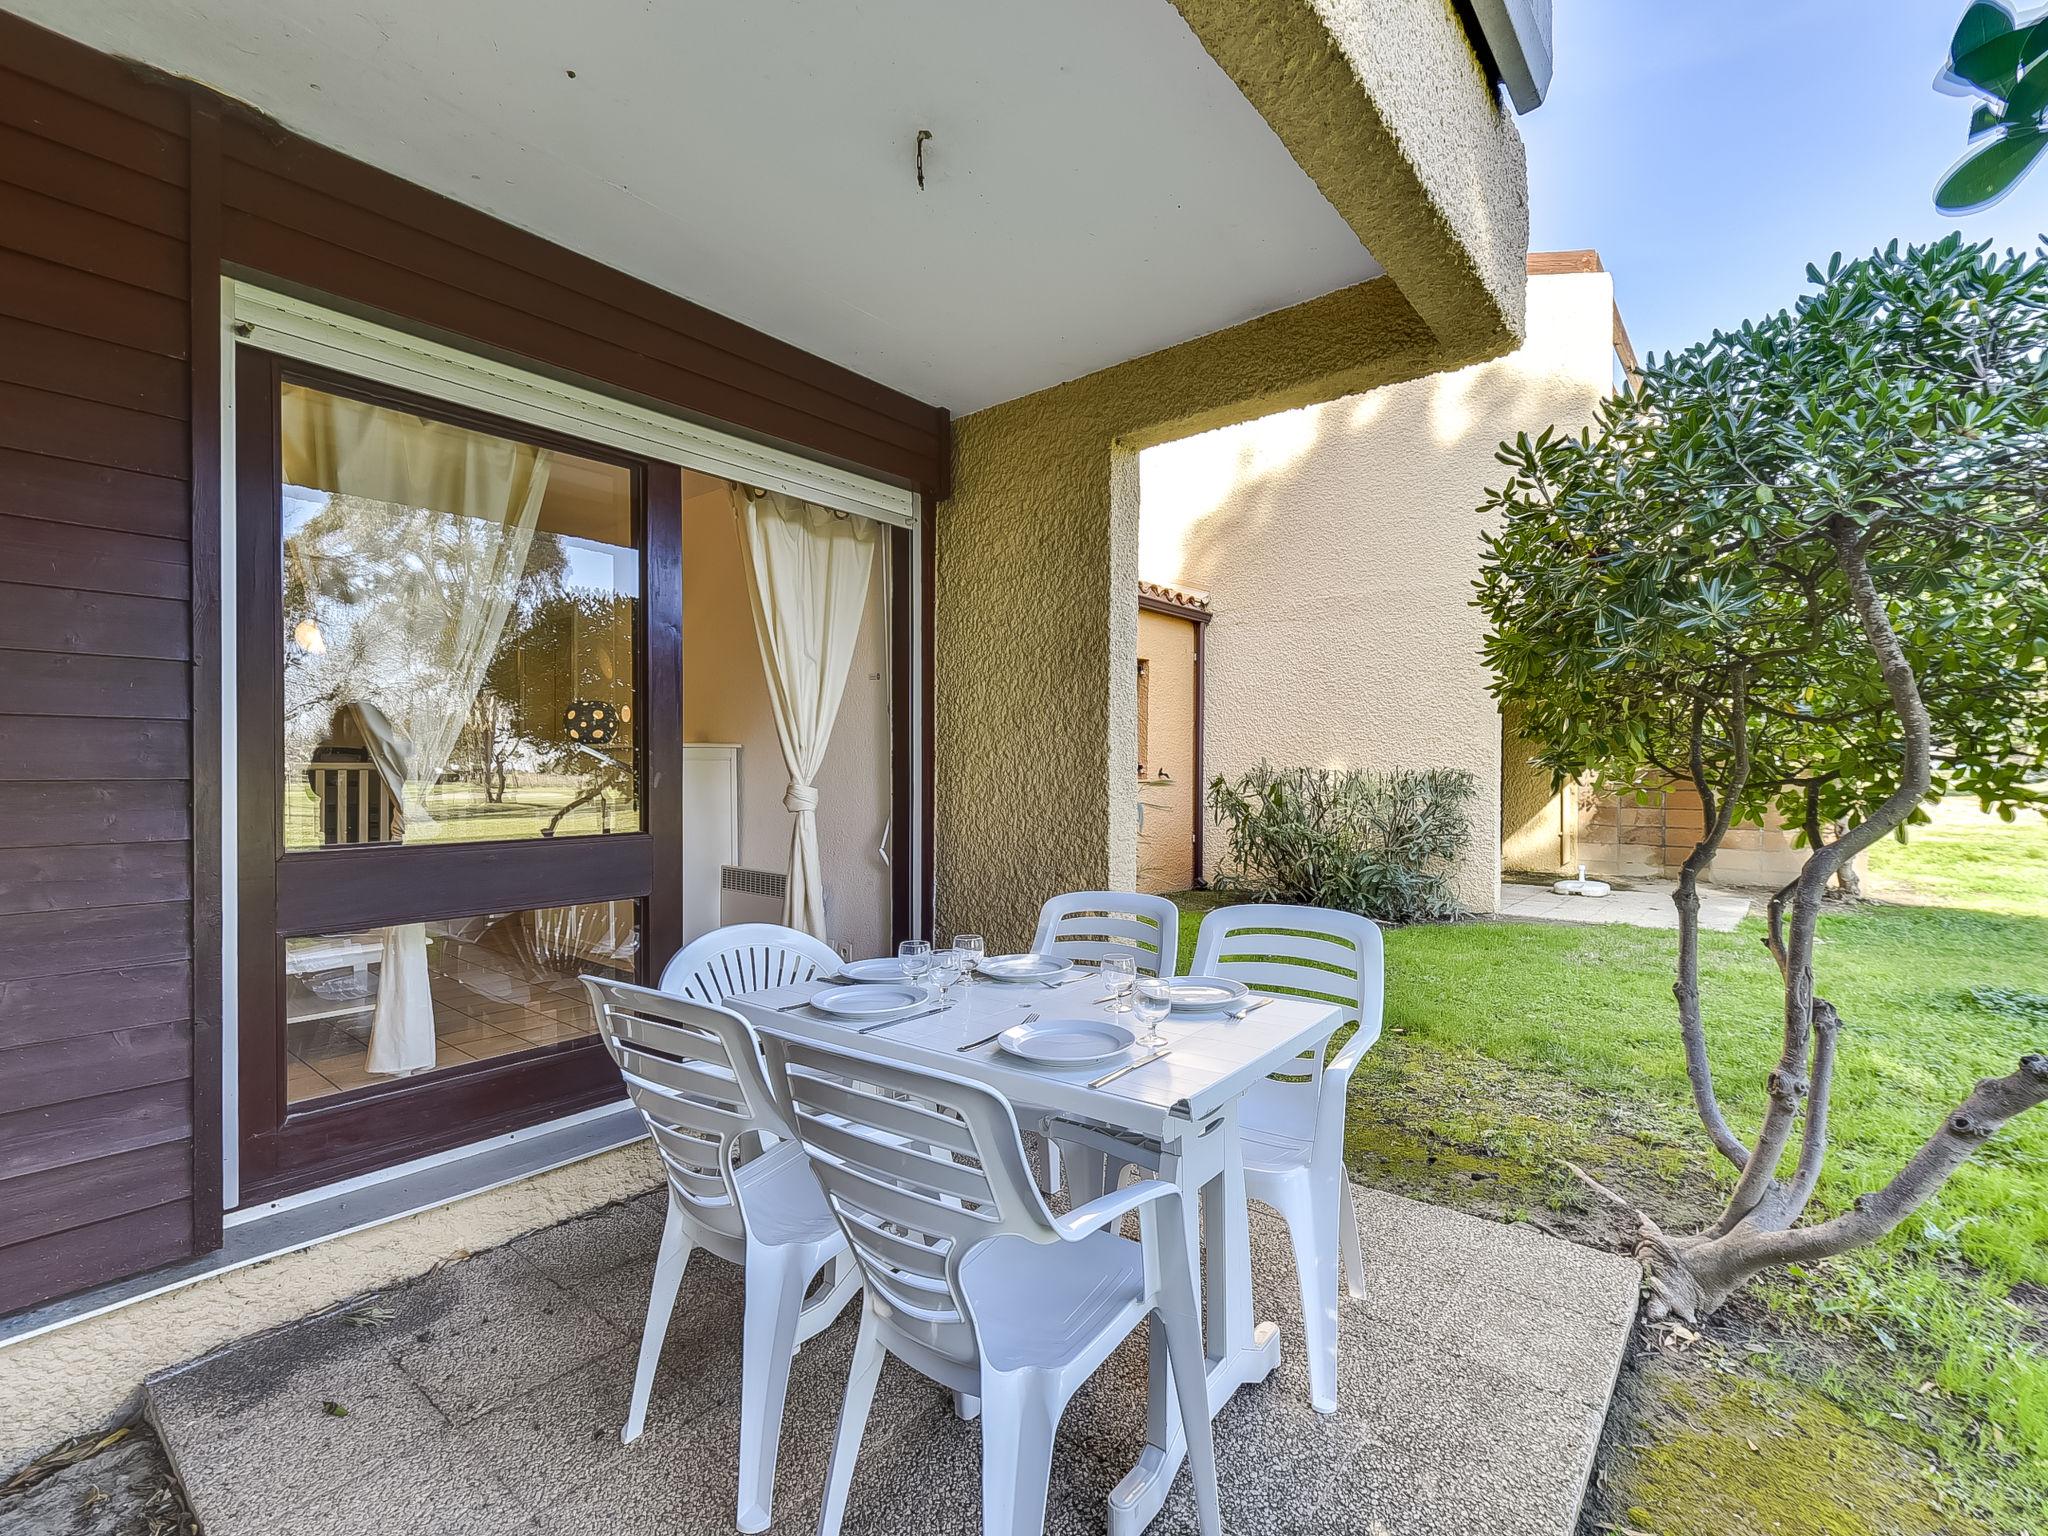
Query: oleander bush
[{"x": 1378, "y": 842}]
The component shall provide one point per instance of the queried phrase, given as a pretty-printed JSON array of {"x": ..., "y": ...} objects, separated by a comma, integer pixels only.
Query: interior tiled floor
[{"x": 488, "y": 1002}]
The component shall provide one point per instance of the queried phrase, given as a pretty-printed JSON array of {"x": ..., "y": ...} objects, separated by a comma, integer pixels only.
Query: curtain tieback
[{"x": 799, "y": 798}]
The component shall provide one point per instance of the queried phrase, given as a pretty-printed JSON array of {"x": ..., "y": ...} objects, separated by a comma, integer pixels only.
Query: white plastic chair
[
  {"x": 745, "y": 957},
  {"x": 737, "y": 1186},
  {"x": 973, "y": 1283},
  {"x": 1292, "y": 1126},
  {"x": 1091, "y": 925}
]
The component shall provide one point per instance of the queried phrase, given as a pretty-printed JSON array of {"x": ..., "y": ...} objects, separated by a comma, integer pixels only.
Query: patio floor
[
  {"x": 1645, "y": 904},
  {"x": 488, "y": 1395}
]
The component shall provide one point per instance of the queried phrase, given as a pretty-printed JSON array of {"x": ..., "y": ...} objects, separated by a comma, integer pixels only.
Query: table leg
[{"x": 1207, "y": 1163}]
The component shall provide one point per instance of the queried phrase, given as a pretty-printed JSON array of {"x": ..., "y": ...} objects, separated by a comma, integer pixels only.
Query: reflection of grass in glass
[{"x": 462, "y": 814}]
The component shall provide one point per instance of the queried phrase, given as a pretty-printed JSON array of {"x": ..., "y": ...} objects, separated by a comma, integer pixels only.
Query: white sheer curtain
[
  {"x": 409, "y": 569},
  {"x": 807, "y": 581}
]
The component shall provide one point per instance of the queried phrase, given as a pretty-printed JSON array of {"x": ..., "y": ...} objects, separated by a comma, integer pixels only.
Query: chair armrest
[
  {"x": 1112, "y": 1208},
  {"x": 1362, "y": 1039}
]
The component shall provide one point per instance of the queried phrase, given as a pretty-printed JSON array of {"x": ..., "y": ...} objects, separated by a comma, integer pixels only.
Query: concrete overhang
[{"x": 1100, "y": 181}]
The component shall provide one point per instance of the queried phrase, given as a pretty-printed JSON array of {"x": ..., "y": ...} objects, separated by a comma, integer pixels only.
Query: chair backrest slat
[
  {"x": 901, "y": 1116},
  {"x": 911, "y": 1209},
  {"x": 1092, "y": 925},
  {"x": 745, "y": 957},
  {"x": 1289, "y": 950},
  {"x": 694, "y": 1073}
]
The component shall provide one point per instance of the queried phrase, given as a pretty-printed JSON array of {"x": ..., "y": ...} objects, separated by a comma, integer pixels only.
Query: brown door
[{"x": 460, "y": 736}]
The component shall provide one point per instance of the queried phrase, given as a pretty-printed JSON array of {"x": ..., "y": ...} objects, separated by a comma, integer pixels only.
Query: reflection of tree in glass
[
  {"x": 570, "y": 644},
  {"x": 382, "y": 606}
]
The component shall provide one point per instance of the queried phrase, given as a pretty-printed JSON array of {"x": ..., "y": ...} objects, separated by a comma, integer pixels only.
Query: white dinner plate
[
  {"x": 873, "y": 1001},
  {"x": 1206, "y": 994},
  {"x": 1023, "y": 967},
  {"x": 888, "y": 968},
  {"x": 1067, "y": 1042}
]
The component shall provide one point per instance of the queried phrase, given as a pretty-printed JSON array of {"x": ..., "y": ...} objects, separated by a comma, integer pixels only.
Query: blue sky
[{"x": 1710, "y": 150}]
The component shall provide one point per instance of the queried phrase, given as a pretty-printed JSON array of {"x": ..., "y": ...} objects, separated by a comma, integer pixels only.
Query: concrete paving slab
[
  {"x": 1645, "y": 904},
  {"x": 1473, "y": 1380}
]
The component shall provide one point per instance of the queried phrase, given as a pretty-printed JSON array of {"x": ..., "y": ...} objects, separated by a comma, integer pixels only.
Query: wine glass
[
  {"x": 945, "y": 968},
  {"x": 915, "y": 956},
  {"x": 1153, "y": 1000},
  {"x": 970, "y": 948},
  {"x": 1119, "y": 971}
]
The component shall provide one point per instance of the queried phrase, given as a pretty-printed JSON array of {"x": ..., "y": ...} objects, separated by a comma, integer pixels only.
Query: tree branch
[
  {"x": 1720, "y": 814},
  {"x": 1981, "y": 1116}
]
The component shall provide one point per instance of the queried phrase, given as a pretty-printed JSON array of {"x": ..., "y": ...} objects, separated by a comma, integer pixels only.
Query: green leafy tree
[
  {"x": 1805, "y": 565},
  {"x": 1997, "y": 60}
]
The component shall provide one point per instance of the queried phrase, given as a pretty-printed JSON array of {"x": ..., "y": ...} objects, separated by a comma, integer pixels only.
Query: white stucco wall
[{"x": 1338, "y": 545}]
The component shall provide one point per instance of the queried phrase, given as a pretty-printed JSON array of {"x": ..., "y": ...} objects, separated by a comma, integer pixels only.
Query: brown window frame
[{"x": 286, "y": 1148}]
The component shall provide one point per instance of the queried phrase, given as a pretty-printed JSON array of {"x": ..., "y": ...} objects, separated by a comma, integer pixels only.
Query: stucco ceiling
[{"x": 1095, "y": 186}]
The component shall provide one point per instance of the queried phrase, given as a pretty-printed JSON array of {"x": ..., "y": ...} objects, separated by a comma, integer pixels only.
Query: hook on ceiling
[{"x": 922, "y": 135}]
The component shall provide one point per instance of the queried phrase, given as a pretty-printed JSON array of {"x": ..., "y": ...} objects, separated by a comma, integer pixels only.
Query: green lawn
[{"x": 1918, "y": 1367}]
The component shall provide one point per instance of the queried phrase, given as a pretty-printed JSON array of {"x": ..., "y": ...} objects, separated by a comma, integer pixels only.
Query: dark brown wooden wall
[
  {"x": 96, "y": 976},
  {"x": 121, "y": 198}
]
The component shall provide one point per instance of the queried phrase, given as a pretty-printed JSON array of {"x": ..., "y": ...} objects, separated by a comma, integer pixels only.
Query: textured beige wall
[
  {"x": 725, "y": 698},
  {"x": 1168, "y": 793},
  {"x": 1539, "y": 827},
  {"x": 1338, "y": 544},
  {"x": 1383, "y": 104},
  {"x": 78, "y": 1378}
]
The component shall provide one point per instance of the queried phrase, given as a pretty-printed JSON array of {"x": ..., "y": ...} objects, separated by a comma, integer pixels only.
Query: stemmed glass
[
  {"x": 1119, "y": 971},
  {"x": 970, "y": 948},
  {"x": 946, "y": 968},
  {"x": 915, "y": 956},
  {"x": 1154, "y": 998}
]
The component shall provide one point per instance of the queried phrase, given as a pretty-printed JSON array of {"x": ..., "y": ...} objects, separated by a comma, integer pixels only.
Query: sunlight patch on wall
[{"x": 1180, "y": 484}]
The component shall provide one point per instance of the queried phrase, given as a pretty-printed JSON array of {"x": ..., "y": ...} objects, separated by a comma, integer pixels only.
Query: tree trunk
[{"x": 1690, "y": 1277}]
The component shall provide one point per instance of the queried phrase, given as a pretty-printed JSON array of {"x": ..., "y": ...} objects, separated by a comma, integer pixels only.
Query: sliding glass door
[{"x": 460, "y": 740}]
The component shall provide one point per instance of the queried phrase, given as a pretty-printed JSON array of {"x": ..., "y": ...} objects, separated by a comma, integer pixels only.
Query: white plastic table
[{"x": 1186, "y": 1102}]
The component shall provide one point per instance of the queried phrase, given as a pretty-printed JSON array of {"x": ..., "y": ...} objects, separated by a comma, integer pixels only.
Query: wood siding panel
[
  {"x": 37, "y": 421},
  {"x": 57, "y": 1135},
  {"x": 34, "y": 1009},
  {"x": 97, "y": 1055},
  {"x": 89, "y": 305},
  {"x": 139, "y": 129},
  {"x": 64, "y": 878},
  {"x": 45, "y": 747},
  {"x": 66, "y": 944},
  {"x": 43, "y": 1204},
  {"x": 92, "y": 495},
  {"x": 66, "y": 555},
  {"x": 82, "y": 1256},
  {"x": 694, "y": 364},
  {"x": 96, "y": 623},
  {"x": 115, "y": 1060},
  {"x": 64, "y": 363},
  {"x": 101, "y": 687},
  {"x": 76, "y": 815},
  {"x": 61, "y": 170},
  {"x": 61, "y": 230}
]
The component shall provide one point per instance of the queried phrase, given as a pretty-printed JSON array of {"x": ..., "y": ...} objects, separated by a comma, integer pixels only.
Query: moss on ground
[{"x": 1710, "y": 1451}]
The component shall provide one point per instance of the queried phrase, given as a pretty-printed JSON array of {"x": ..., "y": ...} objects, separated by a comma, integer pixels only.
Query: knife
[
  {"x": 922, "y": 1013},
  {"x": 1130, "y": 1066}
]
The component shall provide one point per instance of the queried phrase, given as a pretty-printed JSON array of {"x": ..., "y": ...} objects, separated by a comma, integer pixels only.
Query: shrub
[{"x": 1378, "y": 843}]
